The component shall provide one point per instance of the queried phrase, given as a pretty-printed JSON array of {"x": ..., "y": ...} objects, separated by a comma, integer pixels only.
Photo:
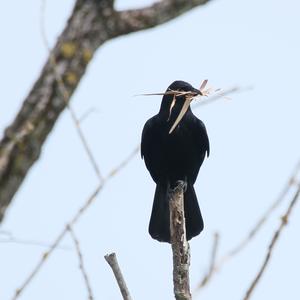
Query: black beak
[{"x": 197, "y": 92}]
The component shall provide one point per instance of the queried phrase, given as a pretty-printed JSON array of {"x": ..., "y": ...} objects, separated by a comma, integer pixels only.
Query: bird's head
[{"x": 176, "y": 102}]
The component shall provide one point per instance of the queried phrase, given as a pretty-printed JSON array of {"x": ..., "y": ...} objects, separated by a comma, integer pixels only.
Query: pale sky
[{"x": 253, "y": 137}]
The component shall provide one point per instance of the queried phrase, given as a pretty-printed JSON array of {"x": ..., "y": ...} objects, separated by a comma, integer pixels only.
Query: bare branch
[
  {"x": 156, "y": 14},
  {"x": 284, "y": 221},
  {"x": 113, "y": 262},
  {"x": 87, "y": 114},
  {"x": 74, "y": 220},
  {"x": 81, "y": 264},
  {"x": 180, "y": 246},
  {"x": 212, "y": 266},
  {"x": 220, "y": 95},
  {"x": 9, "y": 238}
]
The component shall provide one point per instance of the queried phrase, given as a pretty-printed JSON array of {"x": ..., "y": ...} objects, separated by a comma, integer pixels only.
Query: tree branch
[
  {"x": 180, "y": 246},
  {"x": 113, "y": 262},
  {"x": 158, "y": 13},
  {"x": 81, "y": 264},
  {"x": 212, "y": 265},
  {"x": 275, "y": 238}
]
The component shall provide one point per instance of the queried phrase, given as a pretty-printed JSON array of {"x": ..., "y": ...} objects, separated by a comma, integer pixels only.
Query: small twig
[
  {"x": 180, "y": 246},
  {"x": 113, "y": 262},
  {"x": 74, "y": 220},
  {"x": 87, "y": 114},
  {"x": 211, "y": 269},
  {"x": 275, "y": 238},
  {"x": 81, "y": 264},
  {"x": 11, "y": 239},
  {"x": 220, "y": 95}
]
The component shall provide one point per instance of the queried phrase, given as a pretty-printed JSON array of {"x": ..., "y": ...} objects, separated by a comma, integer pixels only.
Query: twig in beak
[
  {"x": 203, "y": 85},
  {"x": 185, "y": 107},
  {"x": 171, "y": 106}
]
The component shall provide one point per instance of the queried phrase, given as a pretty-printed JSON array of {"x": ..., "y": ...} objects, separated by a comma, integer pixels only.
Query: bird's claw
[{"x": 180, "y": 184}]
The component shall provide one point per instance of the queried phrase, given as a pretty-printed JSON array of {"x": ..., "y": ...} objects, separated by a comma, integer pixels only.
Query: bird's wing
[
  {"x": 151, "y": 150},
  {"x": 201, "y": 137},
  {"x": 200, "y": 147}
]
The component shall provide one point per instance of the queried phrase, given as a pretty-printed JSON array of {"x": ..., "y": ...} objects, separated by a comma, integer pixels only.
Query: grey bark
[
  {"x": 113, "y": 262},
  {"x": 180, "y": 246},
  {"x": 91, "y": 24}
]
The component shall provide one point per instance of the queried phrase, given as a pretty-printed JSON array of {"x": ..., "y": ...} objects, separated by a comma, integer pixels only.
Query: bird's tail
[{"x": 159, "y": 227}]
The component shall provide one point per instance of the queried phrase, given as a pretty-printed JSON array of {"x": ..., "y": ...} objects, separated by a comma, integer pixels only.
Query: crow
[{"x": 173, "y": 154}]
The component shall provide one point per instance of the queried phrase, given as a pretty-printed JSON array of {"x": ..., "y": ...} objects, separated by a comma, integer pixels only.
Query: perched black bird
[{"x": 173, "y": 156}]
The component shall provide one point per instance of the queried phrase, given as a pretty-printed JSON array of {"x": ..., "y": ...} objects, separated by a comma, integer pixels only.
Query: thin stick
[
  {"x": 220, "y": 95},
  {"x": 211, "y": 269},
  {"x": 11, "y": 239},
  {"x": 180, "y": 246},
  {"x": 81, "y": 263},
  {"x": 113, "y": 262},
  {"x": 87, "y": 114},
  {"x": 284, "y": 221}
]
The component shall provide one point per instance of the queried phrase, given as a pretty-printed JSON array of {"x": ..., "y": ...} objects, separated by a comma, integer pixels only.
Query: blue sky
[{"x": 254, "y": 146}]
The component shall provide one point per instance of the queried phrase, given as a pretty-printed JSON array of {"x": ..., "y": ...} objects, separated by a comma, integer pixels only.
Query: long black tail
[{"x": 159, "y": 227}]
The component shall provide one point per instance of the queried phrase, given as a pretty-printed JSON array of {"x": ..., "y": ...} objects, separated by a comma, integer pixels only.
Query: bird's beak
[
  {"x": 187, "y": 102},
  {"x": 197, "y": 92}
]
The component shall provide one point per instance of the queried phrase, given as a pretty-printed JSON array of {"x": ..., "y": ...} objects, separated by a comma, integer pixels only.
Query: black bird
[{"x": 173, "y": 154}]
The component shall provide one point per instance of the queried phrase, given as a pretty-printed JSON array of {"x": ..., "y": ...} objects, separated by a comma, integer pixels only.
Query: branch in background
[
  {"x": 81, "y": 264},
  {"x": 73, "y": 221},
  {"x": 180, "y": 246},
  {"x": 284, "y": 221},
  {"x": 220, "y": 95},
  {"x": 87, "y": 114},
  {"x": 113, "y": 262},
  {"x": 212, "y": 266},
  {"x": 9, "y": 238},
  {"x": 292, "y": 180},
  {"x": 91, "y": 24}
]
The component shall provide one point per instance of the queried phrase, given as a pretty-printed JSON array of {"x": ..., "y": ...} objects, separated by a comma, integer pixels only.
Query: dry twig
[
  {"x": 11, "y": 239},
  {"x": 220, "y": 95},
  {"x": 81, "y": 264},
  {"x": 113, "y": 262},
  {"x": 212, "y": 266},
  {"x": 180, "y": 246},
  {"x": 275, "y": 238}
]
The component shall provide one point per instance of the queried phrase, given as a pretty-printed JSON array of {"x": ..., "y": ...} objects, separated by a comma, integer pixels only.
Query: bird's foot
[{"x": 180, "y": 184}]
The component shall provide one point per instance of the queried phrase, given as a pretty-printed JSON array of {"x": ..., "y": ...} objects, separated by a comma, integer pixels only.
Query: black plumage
[{"x": 174, "y": 156}]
